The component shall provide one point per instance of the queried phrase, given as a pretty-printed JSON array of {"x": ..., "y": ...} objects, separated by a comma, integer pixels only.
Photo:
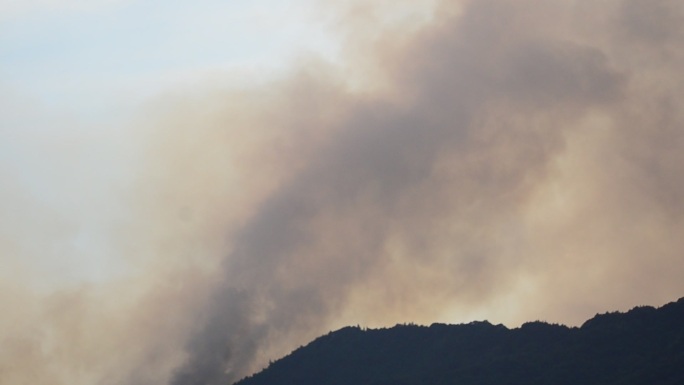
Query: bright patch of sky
[
  {"x": 88, "y": 58},
  {"x": 71, "y": 71}
]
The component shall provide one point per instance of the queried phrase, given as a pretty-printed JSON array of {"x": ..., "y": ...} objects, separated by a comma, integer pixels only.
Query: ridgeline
[{"x": 644, "y": 346}]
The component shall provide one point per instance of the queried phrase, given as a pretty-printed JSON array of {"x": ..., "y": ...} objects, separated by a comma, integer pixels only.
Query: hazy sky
[{"x": 192, "y": 189}]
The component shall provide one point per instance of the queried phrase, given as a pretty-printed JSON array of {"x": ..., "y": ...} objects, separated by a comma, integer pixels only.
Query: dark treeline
[{"x": 642, "y": 346}]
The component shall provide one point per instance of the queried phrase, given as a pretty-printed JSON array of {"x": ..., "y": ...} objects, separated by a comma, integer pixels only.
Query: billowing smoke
[
  {"x": 502, "y": 159},
  {"x": 526, "y": 151}
]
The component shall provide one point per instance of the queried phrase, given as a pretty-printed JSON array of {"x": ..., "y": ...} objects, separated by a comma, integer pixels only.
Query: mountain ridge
[{"x": 644, "y": 345}]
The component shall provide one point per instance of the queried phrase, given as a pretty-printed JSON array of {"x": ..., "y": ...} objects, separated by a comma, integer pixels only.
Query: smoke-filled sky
[{"x": 190, "y": 190}]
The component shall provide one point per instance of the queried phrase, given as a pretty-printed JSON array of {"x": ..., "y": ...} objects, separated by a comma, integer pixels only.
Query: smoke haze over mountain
[{"x": 499, "y": 159}]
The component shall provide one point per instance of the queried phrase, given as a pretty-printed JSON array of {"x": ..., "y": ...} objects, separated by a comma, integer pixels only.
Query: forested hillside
[{"x": 642, "y": 346}]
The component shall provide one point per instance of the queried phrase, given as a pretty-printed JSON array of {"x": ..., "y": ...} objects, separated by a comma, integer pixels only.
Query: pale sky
[
  {"x": 89, "y": 57},
  {"x": 72, "y": 72}
]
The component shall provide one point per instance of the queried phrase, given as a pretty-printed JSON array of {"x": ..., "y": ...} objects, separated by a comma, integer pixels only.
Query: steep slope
[{"x": 642, "y": 346}]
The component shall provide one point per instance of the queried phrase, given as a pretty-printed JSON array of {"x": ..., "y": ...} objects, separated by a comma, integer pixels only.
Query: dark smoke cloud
[{"x": 516, "y": 152}]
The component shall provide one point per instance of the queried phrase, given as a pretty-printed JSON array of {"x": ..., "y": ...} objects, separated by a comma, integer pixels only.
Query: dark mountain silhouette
[{"x": 642, "y": 346}]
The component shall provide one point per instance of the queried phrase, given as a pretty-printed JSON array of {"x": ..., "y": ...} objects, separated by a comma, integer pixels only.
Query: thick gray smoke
[{"x": 532, "y": 147}]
